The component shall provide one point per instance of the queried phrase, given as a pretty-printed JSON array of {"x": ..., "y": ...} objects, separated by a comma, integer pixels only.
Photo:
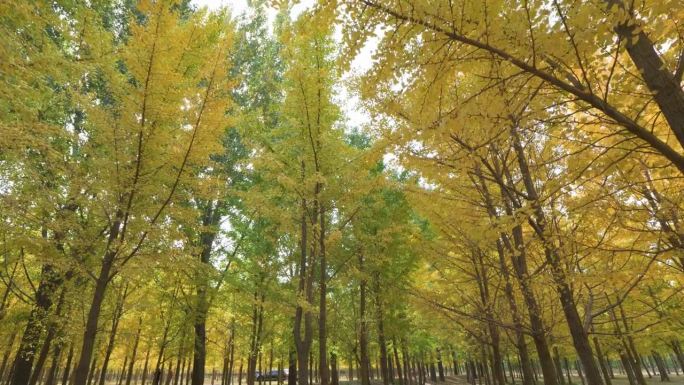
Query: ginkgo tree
[{"x": 185, "y": 200}]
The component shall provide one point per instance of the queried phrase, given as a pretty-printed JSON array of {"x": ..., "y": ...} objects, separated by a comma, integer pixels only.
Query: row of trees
[
  {"x": 546, "y": 141},
  {"x": 181, "y": 194},
  {"x": 184, "y": 202}
]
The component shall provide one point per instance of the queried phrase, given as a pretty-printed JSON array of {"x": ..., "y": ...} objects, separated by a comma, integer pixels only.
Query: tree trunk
[
  {"x": 662, "y": 370},
  {"x": 557, "y": 362},
  {"x": 118, "y": 311},
  {"x": 440, "y": 366},
  {"x": 292, "y": 371},
  {"x": 322, "y": 309},
  {"x": 210, "y": 220},
  {"x": 382, "y": 344},
  {"x": 67, "y": 366},
  {"x": 364, "y": 365},
  {"x": 305, "y": 289},
  {"x": 129, "y": 376},
  {"x": 602, "y": 362},
  {"x": 396, "y": 360},
  {"x": 90, "y": 332},
  {"x": 677, "y": 349},
  {"x": 23, "y": 360},
  {"x": 579, "y": 336},
  {"x": 54, "y": 366},
  {"x": 666, "y": 89},
  {"x": 627, "y": 365},
  {"x": 333, "y": 366},
  {"x": 51, "y": 332}
]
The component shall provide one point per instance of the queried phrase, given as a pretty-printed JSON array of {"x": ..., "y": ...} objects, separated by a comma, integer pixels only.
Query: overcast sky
[{"x": 354, "y": 115}]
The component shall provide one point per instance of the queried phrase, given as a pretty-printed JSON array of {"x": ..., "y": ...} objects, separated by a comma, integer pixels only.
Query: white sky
[{"x": 354, "y": 114}]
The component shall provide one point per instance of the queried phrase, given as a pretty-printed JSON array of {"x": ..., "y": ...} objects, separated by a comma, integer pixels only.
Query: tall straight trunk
[
  {"x": 147, "y": 361},
  {"x": 673, "y": 358},
  {"x": 629, "y": 352},
  {"x": 397, "y": 362},
  {"x": 335, "y": 378},
  {"x": 454, "y": 358},
  {"x": 579, "y": 336},
  {"x": 520, "y": 343},
  {"x": 240, "y": 374},
  {"x": 662, "y": 369},
  {"x": 382, "y": 343},
  {"x": 557, "y": 362},
  {"x": 602, "y": 361},
  {"x": 199, "y": 356},
  {"x": 118, "y": 311},
  {"x": 677, "y": 349},
  {"x": 92, "y": 372},
  {"x": 224, "y": 369},
  {"x": 408, "y": 370},
  {"x": 322, "y": 308},
  {"x": 292, "y": 371},
  {"x": 134, "y": 353},
  {"x": 170, "y": 375},
  {"x": 210, "y": 220},
  {"x": 177, "y": 372},
  {"x": 188, "y": 372},
  {"x": 231, "y": 354},
  {"x": 122, "y": 373},
  {"x": 350, "y": 374},
  {"x": 255, "y": 338},
  {"x": 54, "y": 366},
  {"x": 627, "y": 366},
  {"x": 579, "y": 371},
  {"x": 390, "y": 367},
  {"x": 305, "y": 289},
  {"x": 481, "y": 276},
  {"x": 517, "y": 249},
  {"x": 23, "y": 360},
  {"x": 101, "y": 283},
  {"x": 52, "y": 330},
  {"x": 364, "y": 364},
  {"x": 643, "y": 364},
  {"x": 440, "y": 365},
  {"x": 312, "y": 375},
  {"x": 67, "y": 366},
  {"x": 419, "y": 368}
]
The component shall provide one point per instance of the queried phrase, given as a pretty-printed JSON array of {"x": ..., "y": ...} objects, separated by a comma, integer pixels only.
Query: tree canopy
[{"x": 397, "y": 191}]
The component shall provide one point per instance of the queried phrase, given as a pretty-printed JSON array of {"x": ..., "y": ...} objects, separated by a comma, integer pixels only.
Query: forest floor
[
  {"x": 618, "y": 380},
  {"x": 461, "y": 380}
]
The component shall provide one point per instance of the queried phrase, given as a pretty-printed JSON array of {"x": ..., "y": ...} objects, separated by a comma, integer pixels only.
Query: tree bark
[
  {"x": 382, "y": 343},
  {"x": 322, "y": 308},
  {"x": 662, "y": 369},
  {"x": 134, "y": 353},
  {"x": 397, "y": 362},
  {"x": 118, "y": 311},
  {"x": 667, "y": 92},
  {"x": 364, "y": 365},
  {"x": 67, "y": 366},
  {"x": 305, "y": 291},
  {"x": 602, "y": 362},
  {"x": 23, "y": 361},
  {"x": 579, "y": 336},
  {"x": 210, "y": 221}
]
